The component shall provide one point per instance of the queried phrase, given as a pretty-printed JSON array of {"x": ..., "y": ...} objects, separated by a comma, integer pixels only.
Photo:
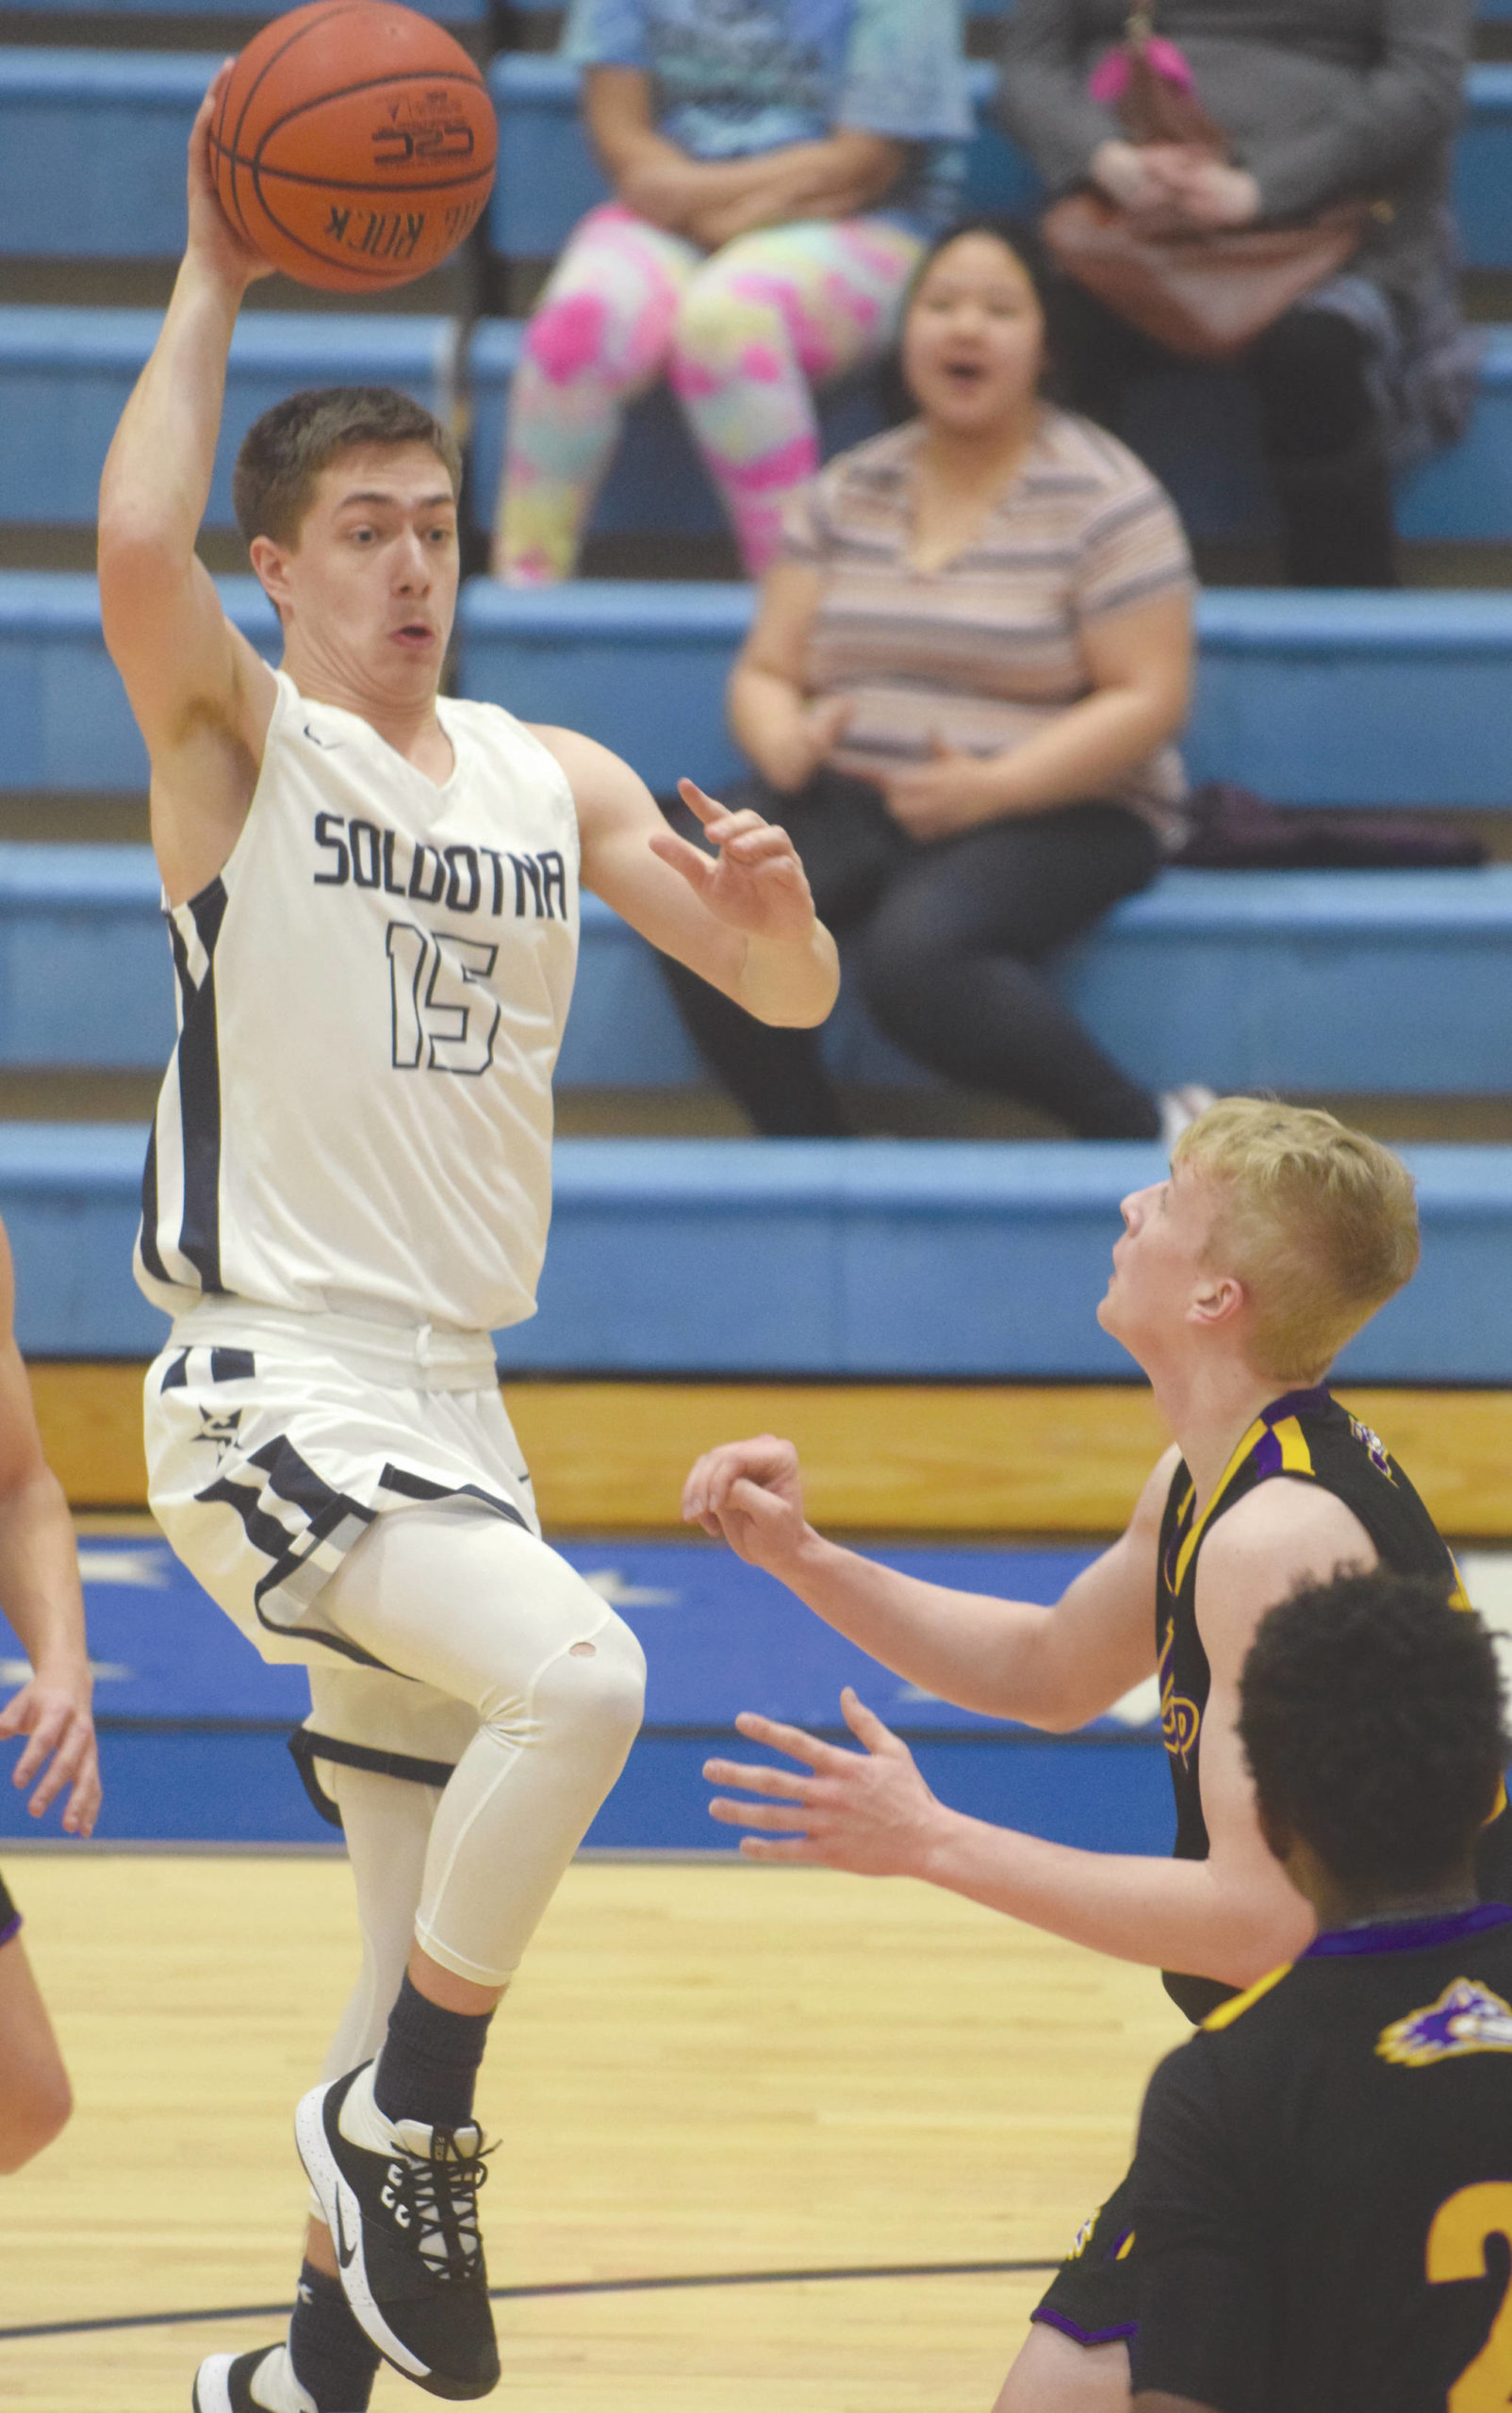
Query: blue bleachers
[
  {"x": 1293, "y": 981},
  {"x": 879, "y": 1259},
  {"x": 92, "y": 146},
  {"x": 1197, "y": 431},
  {"x": 547, "y": 176},
  {"x": 1312, "y": 699},
  {"x": 65, "y": 375},
  {"x": 65, "y": 725},
  {"x": 92, "y": 154},
  {"x": 1321, "y": 698}
]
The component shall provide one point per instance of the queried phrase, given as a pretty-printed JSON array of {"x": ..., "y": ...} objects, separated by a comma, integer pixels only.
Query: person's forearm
[
  {"x": 1165, "y": 1914},
  {"x": 624, "y": 134},
  {"x": 791, "y": 983},
  {"x": 1396, "y": 113},
  {"x": 977, "y": 1652},
  {"x": 1042, "y": 100},
  {"x": 767, "y": 723},
  {"x": 828, "y": 178},
  {"x": 838, "y": 177},
  {"x": 39, "y": 1576},
  {"x": 156, "y": 480},
  {"x": 1086, "y": 751}
]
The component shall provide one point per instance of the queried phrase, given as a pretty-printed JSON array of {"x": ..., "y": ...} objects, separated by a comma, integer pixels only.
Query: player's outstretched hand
[
  {"x": 867, "y": 1811},
  {"x": 212, "y": 239},
  {"x": 750, "y": 1494},
  {"x": 54, "y": 1715},
  {"x": 754, "y": 880}
]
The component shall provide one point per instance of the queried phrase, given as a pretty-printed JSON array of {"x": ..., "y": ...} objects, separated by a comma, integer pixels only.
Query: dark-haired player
[
  {"x": 372, "y": 892},
  {"x": 1322, "y": 2188},
  {"x": 50, "y": 1714},
  {"x": 1235, "y": 1283}
]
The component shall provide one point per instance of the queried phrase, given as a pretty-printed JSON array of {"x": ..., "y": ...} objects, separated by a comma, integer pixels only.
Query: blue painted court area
[{"x": 195, "y": 1726}]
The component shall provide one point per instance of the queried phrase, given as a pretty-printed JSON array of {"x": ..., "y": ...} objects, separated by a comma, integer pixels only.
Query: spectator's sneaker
[
  {"x": 1180, "y": 1107},
  {"x": 261, "y": 2382},
  {"x": 400, "y": 2200}
]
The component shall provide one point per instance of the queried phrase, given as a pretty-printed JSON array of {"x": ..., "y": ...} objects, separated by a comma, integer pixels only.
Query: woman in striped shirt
[{"x": 959, "y": 695}]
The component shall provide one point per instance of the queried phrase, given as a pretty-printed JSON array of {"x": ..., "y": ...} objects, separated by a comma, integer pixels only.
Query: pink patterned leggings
[{"x": 741, "y": 334}]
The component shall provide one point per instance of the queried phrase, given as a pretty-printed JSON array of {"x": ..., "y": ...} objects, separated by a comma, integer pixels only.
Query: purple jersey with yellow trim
[
  {"x": 1308, "y": 1437},
  {"x": 1322, "y": 2192}
]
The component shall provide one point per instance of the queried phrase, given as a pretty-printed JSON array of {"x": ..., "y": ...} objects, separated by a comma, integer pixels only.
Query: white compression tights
[{"x": 475, "y": 1609}]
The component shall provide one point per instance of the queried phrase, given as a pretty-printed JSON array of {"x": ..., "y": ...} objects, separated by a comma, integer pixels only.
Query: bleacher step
[
  {"x": 66, "y": 374},
  {"x": 1392, "y": 982},
  {"x": 1198, "y": 430},
  {"x": 548, "y": 175},
  {"x": 885, "y": 1260},
  {"x": 1310, "y": 699},
  {"x": 92, "y": 142}
]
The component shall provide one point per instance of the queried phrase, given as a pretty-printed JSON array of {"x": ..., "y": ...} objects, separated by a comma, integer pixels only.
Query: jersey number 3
[
  {"x": 438, "y": 1026},
  {"x": 1457, "y": 2250}
]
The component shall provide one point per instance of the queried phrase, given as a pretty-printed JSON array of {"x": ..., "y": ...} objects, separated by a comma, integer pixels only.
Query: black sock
[
  {"x": 333, "y": 2362},
  {"x": 429, "y": 2063}
]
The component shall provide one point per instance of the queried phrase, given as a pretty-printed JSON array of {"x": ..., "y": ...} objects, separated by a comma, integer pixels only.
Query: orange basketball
[{"x": 355, "y": 144}]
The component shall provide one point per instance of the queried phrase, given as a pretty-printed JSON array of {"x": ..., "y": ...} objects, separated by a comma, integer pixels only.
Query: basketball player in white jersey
[{"x": 372, "y": 896}]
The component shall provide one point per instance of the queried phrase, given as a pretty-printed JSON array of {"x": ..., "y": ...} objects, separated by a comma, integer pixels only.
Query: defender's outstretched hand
[
  {"x": 868, "y": 1811},
  {"x": 750, "y": 1494},
  {"x": 54, "y": 1715},
  {"x": 754, "y": 882}
]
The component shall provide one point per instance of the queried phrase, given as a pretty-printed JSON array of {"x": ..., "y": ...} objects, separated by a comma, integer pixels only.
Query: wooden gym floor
[{"x": 703, "y": 2069}]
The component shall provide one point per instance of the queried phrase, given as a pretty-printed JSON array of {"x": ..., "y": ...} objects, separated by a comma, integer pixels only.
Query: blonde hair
[{"x": 1318, "y": 1221}]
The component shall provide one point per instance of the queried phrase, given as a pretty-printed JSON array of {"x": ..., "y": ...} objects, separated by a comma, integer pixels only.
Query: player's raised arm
[
  {"x": 39, "y": 1593},
  {"x": 742, "y": 919},
  {"x": 201, "y": 696},
  {"x": 1051, "y": 1668}
]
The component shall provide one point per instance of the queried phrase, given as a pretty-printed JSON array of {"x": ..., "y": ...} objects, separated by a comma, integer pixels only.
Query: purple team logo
[
  {"x": 1373, "y": 1447},
  {"x": 1467, "y": 2018}
]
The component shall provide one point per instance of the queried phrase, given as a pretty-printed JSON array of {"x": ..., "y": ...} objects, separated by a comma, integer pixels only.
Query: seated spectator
[
  {"x": 777, "y": 165},
  {"x": 1345, "y": 101},
  {"x": 958, "y": 696}
]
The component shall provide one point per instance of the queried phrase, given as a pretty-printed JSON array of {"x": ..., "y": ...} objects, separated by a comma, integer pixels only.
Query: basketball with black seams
[{"x": 355, "y": 144}]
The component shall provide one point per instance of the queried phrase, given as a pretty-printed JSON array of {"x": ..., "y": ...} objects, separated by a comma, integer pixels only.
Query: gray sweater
[{"x": 1324, "y": 100}]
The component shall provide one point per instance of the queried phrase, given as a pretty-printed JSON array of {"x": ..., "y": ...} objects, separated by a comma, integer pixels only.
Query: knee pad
[{"x": 589, "y": 1698}]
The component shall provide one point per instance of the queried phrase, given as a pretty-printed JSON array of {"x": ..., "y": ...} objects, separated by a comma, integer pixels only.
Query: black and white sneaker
[
  {"x": 400, "y": 2200},
  {"x": 260, "y": 2382}
]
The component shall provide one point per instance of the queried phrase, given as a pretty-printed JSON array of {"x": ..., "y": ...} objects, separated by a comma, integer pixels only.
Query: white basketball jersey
[{"x": 357, "y": 1115}]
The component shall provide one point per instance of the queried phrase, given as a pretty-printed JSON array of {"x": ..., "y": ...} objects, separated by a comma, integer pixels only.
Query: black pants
[
  {"x": 947, "y": 939},
  {"x": 1318, "y": 426}
]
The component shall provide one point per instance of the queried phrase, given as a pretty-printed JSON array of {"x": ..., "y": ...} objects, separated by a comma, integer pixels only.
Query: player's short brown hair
[
  {"x": 1318, "y": 1221},
  {"x": 284, "y": 451}
]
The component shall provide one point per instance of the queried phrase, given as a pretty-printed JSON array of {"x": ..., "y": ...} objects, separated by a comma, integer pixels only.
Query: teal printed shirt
[{"x": 734, "y": 78}]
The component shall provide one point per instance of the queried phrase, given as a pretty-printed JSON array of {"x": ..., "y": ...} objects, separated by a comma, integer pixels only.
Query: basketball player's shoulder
[
  {"x": 1290, "y": 1517},
  {"x": 527, "y": 747}
]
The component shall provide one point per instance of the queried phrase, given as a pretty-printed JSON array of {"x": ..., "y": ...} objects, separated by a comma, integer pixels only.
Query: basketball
[{"x": 355, "y": 144}]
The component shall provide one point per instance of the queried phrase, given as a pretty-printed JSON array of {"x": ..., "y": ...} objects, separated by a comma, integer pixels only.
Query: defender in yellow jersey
[{"x": 1236, "y": 1283}]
